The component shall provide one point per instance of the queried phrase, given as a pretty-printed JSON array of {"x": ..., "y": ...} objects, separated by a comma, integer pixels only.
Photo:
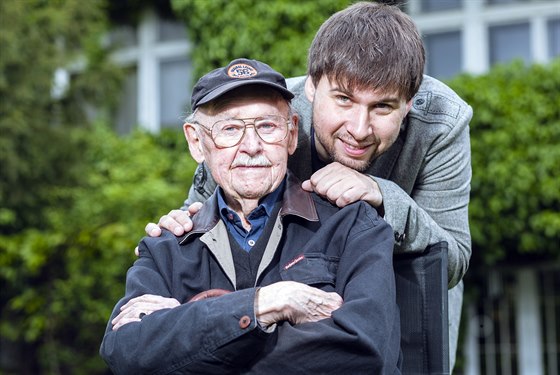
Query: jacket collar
[{"x": 295, "y": 201}]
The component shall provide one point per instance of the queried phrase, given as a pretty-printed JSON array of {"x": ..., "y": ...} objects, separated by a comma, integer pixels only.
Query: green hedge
[
  {"x": 276, "y": 32},
  {"x": 38, "y": 37},
  {"x": 515, "y": 142},
  {"x": 59, "y": 283}
]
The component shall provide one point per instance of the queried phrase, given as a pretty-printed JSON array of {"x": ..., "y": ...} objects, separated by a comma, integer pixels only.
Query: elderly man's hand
[
  {"x": 342, "y": 185},
  {"x": 135, "y": 309},
  {"x": 176, "y": 221},
  {"x": 295, "y": 302}
]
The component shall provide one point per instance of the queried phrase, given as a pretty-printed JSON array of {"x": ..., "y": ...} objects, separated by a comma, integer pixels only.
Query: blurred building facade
[{"x": 513, "y": 324}]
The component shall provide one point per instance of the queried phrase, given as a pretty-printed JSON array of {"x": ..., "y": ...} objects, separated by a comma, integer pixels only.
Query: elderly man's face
[{"x": 252, "y": 168}]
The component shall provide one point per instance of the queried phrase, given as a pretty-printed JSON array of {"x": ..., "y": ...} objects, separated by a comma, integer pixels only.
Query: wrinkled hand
[
  {"x": 177, "y": 221},
  {"x": 342, "y": 185},
  {"x": 294, "y": 302},
  {"x": 147, "y": 304}
]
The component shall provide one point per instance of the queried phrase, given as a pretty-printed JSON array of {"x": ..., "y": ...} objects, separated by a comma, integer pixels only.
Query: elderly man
[
  {"x": 271, "y": 279},
  {"x": 373, "y": 128}
]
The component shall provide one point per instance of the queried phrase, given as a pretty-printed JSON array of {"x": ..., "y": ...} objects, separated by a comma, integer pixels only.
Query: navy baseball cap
[{"x": 239, "y": 72}]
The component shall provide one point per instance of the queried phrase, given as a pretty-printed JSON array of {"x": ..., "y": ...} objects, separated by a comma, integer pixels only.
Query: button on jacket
[{"x": 348, "y": 251}]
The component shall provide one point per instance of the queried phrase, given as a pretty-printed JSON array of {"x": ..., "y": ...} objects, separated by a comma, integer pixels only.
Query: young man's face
[{"x": 353, "y": 128}]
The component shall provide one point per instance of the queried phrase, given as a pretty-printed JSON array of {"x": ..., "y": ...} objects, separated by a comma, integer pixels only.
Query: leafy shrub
[
  {"x": 515, "y": 137},
  {"x": 60, "y": 282},
  {"x": 276, "y": 32},
  {"x": 36, "y": 39}
]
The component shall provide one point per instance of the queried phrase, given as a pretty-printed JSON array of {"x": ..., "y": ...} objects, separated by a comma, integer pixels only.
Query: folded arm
[
  {"x": 363, "y": 335},
  {"x": 209, "y": 330}
]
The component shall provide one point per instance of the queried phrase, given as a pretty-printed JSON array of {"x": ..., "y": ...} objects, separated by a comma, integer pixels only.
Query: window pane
[
  {"x": 437, "y": 5},
  {"x": 127, "y": 113},
  {"x": 443, "y": 54},
  {"x": 510, "y": 1},
  {"x": 549, "y": 284},
  {"x": 502, "y": 1},
  {"x": 171, "y": 30},
  {"x": 554, "y": 38},
  {"x": 123, "y": 36},
  {"x": 510, "y": 42},
  {"x": 175, "y": 91}
]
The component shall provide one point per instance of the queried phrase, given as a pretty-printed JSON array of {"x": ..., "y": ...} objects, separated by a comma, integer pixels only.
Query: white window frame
[{"x": 147, "y": 56}]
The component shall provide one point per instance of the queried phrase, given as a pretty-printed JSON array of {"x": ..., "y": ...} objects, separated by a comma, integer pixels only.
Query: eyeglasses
[{"x": 230, "y": 132}]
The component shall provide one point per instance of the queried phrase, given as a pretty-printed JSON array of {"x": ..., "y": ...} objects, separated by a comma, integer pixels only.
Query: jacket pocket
[{"x": 311, "y": 269}]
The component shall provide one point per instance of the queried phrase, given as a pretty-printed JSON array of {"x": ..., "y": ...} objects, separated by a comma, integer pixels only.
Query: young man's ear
[
  {"x": 408, "y": 106},
  {"x": 195, "y": 143},
  {"x": 309, "y": 89}
]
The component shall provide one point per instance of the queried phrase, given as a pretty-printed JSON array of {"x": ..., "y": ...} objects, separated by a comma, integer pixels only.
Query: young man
[
  {"x": 271, "y": 279},
  {"x": 373, "y": 128}
]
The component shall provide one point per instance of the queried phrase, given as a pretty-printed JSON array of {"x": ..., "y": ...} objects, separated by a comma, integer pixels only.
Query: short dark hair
[{"x": 369, "y": 46}]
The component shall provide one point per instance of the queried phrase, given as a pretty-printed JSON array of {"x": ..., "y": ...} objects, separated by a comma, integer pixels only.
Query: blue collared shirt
[{"x": 257, "y": 218}]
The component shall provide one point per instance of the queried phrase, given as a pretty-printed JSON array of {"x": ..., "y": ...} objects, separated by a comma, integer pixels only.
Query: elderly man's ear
[
  {"x": 194, "y": 141},
  {"x": 293, "y": 135}
]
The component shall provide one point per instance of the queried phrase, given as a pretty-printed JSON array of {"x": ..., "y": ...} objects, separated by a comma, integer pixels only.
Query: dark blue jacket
[{"x": 348, "y": 251}]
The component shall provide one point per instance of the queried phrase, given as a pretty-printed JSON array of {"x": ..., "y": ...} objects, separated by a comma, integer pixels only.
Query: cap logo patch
[{"x": 241, "y": 71}]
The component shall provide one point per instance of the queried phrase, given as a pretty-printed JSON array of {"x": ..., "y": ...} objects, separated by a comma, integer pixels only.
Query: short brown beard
[{"x": 364, "y": 165}]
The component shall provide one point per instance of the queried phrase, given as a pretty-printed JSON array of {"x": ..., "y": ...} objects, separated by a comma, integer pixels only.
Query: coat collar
[{"x": 295, "y": 201}]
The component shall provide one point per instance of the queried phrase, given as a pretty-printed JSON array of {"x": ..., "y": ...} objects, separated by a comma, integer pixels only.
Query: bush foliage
[
  {"x": 74, "y": 196},
  {"x": 62, "y": 281},
  {"x": 36, "y": 39},
  {"x": 515, "y": 133},
  {"x": 276, "y": 32}
]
